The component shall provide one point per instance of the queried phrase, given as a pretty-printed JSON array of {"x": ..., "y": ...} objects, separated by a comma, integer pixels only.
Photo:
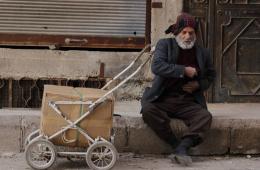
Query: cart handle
[
  {"x": 102, "y": 99},
  {"x": 130, "y": 65}
]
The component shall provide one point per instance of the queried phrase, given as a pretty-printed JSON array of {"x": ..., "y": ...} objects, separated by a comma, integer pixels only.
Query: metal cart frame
[{"x": 101, "y": 154}]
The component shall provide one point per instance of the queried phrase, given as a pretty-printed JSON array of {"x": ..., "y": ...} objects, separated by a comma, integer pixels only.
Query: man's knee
[
  {"x": 147, "y": 112},
  {"x": 147, "y": 107},
  {"x": 205, "y": 119},
  {"x": 153, "y": 116},
  {"x": 207, "y": 116}
]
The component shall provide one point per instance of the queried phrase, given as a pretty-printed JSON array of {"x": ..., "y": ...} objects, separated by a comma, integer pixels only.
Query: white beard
[{"x": 185, "y": 45}]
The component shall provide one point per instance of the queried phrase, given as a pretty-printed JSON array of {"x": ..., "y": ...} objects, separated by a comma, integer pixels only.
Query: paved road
[{"x": 11, "y": 161}]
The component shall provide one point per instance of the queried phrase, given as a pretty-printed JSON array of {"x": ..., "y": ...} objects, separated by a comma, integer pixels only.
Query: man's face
[{"x": 186, "y": 38}]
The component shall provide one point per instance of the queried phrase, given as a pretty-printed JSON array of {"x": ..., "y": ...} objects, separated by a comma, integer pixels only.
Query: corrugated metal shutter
[{"x": 122, "y": 18}]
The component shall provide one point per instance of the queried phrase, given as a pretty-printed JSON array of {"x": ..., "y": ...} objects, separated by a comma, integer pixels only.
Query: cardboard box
[{"x": 97, "y": 123}]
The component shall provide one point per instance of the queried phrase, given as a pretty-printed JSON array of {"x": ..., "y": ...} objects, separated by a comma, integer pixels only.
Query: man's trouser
[{"x": 158, "y": 115}]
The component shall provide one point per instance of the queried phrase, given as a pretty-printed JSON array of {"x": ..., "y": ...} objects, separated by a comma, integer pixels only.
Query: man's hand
[
  {"x": 191, "y": 86},
  {"x": 190, "y": 72}
]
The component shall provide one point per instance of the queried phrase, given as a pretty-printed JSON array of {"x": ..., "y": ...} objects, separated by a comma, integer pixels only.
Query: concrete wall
[
  {"x": 163, "y": 17},
  {"x": 18, "y": 63},
  {"x": 73, "y": 64}
]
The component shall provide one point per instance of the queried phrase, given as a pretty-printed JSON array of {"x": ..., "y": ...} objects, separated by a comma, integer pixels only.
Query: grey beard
[{"x": 183, "y": 44}]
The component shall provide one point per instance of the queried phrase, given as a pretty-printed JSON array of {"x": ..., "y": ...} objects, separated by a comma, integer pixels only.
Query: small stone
[
  {"x": 126, "y": 155},
  {"x": 248, "y": 156},
  {"x": 7, "y": 155},
  {"x": 217, "y": 158}
]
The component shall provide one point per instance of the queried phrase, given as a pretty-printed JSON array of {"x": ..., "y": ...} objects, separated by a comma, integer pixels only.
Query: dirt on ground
[{"x": 129, "y": 161}]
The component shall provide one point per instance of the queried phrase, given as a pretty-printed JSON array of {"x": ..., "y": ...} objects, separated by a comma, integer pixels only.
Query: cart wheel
[
  {"x": 101, "y": 156},
  {"x": 40, "y": 154},
  {"x": 31, "y": 136}
]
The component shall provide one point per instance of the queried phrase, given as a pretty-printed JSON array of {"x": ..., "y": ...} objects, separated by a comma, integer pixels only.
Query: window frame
[{"x": 91, "y": 41}]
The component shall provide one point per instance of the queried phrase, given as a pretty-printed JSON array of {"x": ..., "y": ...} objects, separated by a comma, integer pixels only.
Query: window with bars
[
  {"x": 75, "y": 23},
  {"x": 27, "y": 93}
]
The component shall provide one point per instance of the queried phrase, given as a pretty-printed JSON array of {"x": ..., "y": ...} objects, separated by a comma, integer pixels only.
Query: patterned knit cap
[{"x": 183, "y": 20}]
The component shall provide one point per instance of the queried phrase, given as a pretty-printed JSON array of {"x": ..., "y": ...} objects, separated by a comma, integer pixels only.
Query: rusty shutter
[{"x": 86, "y": 23}]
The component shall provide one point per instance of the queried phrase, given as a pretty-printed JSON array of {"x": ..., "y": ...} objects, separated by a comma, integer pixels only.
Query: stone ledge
[
  {"x": 133, "y": 135},
  {"x": 232, "y": 131}
]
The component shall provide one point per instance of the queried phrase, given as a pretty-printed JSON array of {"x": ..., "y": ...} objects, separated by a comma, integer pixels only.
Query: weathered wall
[
  {"x": 73, "y": 64},
  {"x": 163, "y": 17},
  {"x": 17, "y": 63}
]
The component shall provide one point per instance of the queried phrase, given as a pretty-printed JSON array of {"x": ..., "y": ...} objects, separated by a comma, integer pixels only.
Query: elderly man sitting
[{"x": 183, "y": 71}]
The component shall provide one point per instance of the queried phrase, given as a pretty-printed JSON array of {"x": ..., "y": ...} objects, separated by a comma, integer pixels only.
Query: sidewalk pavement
[
  {"x": 129, "y": 161},
  {"x": 235, "y": 130}
]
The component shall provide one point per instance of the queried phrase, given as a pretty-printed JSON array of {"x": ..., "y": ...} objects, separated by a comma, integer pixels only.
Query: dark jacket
[{"x": 164, "y": 66}]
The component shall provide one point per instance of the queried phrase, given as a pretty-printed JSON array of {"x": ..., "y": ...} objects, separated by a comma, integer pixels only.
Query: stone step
[{"x": 235, "y": 130}]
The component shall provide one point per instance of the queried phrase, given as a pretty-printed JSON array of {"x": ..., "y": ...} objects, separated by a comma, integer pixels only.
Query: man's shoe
[
  {"x": 183, "y": 160},
  {"x": 181, "y": 156}
]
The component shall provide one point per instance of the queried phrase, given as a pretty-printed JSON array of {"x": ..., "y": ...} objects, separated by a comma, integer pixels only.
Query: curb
[{"x": 226, "y": 136}]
